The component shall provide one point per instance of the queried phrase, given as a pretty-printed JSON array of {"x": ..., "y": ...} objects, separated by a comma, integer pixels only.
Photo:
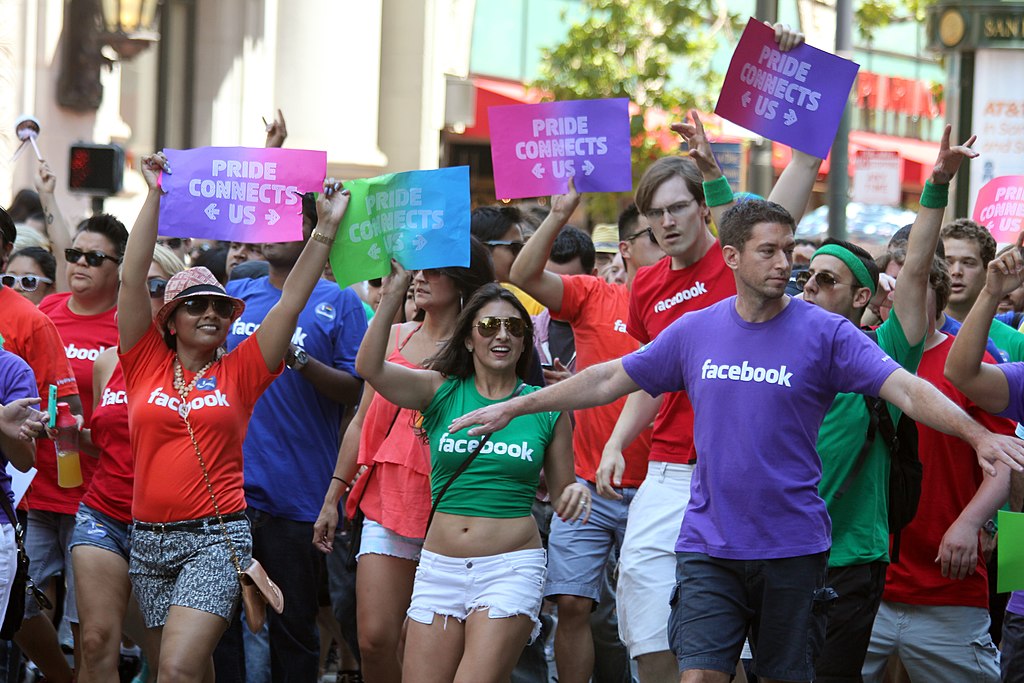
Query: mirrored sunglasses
[{"x": 489, "y": 326}]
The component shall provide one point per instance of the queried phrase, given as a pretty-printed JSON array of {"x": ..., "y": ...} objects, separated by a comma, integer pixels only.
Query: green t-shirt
[
  {"x": 1007, "y": 340},
  {"x": 502, "y": 481},
  {"x": 860, "y": 519}
]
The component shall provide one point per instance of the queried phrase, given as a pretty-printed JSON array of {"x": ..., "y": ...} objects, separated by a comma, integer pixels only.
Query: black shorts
[
  {"x": 850, "y": 620},
  {"x": 782, "y": 603}
]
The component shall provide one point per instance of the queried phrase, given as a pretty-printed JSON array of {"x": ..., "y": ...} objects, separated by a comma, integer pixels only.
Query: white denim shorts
[
  {"x": 377, "y": 539},
  {"x": 647, "y": 560},
  {"x": 506, "y": 585}
]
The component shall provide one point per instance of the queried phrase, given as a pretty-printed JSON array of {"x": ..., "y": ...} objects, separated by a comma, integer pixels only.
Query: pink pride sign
[
  {"x": 241, "y": 194},
  {"x": 795, "y": 97},
  {"x": 1000, "y": 207},
  {"x": 536, "y": 148}
]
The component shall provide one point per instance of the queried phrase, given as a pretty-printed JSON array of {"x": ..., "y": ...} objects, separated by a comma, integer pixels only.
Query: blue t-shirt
[
  {"x": 16, "y": 381},
  {"x": 292, "y": 442},
  {"x": 759, "y": 394}
]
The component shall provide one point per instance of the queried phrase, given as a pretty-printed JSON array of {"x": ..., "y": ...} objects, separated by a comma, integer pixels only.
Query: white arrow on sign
[
  {"x": 212, "y": 211},
  {"x": 588, "y": 167},
  {"x": 272, "y": 217},
  {"x": 745, "y": 99},
  {"x": 419, "y": 242},
  {"x": 789, "y": 117},
  {"x": 538, "y": 170},
  {"x": 374, "y": 252}
]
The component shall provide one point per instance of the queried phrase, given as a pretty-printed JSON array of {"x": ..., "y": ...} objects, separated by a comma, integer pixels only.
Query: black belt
[{"x": 188, "y": 525}]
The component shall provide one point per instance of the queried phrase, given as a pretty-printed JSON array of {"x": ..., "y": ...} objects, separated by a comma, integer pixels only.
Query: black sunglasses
[
  {"x": 514, "y": 247},
  {"x": 93, "y": 259},
  {"x": 489, "y": 326},
  {"x": 27, "y": 283},
  {"x": 822, "y": 279},
  {"x": 648, "y": 232},
  {"x": 157, "y": 287},
  {"x": 197, "y": 306},
  {"x": 170, "y": 243}
]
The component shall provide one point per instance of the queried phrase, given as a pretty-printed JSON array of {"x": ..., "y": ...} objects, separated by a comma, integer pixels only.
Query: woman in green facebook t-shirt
[{"x": 480, "y": 581}]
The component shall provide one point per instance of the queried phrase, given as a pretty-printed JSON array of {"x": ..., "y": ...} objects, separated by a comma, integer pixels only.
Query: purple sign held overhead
[
  {"x": 795, "y": 97},
  {"x": 536, "y": 148},
  {"x": 240, "y": 194}
]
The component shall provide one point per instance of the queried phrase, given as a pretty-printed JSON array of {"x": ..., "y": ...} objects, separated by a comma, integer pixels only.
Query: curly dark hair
[{"x": 455, "y": 360}]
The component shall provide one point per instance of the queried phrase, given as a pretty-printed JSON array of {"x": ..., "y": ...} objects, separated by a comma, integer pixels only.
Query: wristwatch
[{"x": 296, "y": 358}]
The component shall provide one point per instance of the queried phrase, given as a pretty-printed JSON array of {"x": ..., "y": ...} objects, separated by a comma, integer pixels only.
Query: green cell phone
[{"x": 51, "y": 405}]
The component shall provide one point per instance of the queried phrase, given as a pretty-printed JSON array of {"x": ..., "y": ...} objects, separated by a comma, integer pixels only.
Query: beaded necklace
[{"x": 179, "y": 383}]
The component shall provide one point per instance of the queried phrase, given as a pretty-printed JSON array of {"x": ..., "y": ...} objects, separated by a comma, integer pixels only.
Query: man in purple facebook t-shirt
[{"x": 752, "y": 547}]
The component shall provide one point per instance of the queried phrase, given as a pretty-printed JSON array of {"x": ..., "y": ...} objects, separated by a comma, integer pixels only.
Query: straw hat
[{"x": 197, "y": 281}]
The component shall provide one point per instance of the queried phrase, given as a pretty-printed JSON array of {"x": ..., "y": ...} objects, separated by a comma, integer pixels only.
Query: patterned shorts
[{"x": 188, "y": 564}]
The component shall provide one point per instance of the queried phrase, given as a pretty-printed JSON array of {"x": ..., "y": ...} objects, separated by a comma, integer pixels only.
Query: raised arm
[
  {"x": 595, "y": 386},
  {"x": 277, "y": 329},
  {"x": 528, "y": 269},
  {"x": 985, "y": 383},
  {"x": 794, "y": 186},
  {"x": 406, "y": 387},
  {"x": 277, "y": 132},
  {"x": 912, "y": 282},
  {"x": 926, "y": 404},
  {"x": 134, "y": 314},
  {"x": 700, "y": 152},
  {"x": 57, "y": 228}
]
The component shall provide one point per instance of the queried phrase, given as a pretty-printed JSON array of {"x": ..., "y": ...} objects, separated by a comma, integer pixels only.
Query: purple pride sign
[
  {"x": 241, "y": 194},
  {"x": 536, "y": 148},
  {"x": 795, "y": 97}
]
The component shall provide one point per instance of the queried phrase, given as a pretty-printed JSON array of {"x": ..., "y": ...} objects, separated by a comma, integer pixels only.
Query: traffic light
[{"x": 96, "y": 169}]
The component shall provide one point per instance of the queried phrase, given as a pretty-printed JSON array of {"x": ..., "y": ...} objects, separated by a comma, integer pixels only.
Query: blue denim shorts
[{"x": 94, "y": 528}]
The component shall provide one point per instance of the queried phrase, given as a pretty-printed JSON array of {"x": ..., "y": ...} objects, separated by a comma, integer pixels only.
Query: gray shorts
[
  {"x": 188, "y": 564},
  {"x": 47, "y": 542}
]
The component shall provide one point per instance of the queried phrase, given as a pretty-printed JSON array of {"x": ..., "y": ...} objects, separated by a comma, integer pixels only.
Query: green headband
[{"x": 856, "y": 266}]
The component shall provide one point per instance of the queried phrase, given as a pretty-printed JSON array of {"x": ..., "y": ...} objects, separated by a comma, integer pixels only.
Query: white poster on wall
[
  {"x": 998, "y": 117},
  {"x": 876, "y": 177}
]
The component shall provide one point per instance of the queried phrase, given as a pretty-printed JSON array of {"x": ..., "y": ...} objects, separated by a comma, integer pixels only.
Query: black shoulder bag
[{"x": 21, "y": 584}]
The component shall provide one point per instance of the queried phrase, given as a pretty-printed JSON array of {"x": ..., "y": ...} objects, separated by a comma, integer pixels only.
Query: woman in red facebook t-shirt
[
  {"x": 100, "y": 542},
  {"x": 188, "y": 409}
]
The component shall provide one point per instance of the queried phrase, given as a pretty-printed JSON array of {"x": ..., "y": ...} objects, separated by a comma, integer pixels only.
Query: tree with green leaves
[{"x": 626, "y": 48}]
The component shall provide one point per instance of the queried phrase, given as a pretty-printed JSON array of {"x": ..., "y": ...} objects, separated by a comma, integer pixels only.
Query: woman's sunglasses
[
  {"x": 489, "y": 326},
  {"x": 157, "y": 287},
  {"x": 822, "y": 279},
  {"x": 197, "y": 306},
  {"x": 27, "y": 283},
  {"x": 514, "y": 247},
  {"x": 94, "y": 259}
]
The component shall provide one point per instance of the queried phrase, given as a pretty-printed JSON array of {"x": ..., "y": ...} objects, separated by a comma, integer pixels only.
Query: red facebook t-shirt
[
  {"x": 951, "y": 478},
  {"x": 661, "y": 296},
  {"x": 169, "y": 484},
  {"x": 84, "y": 337},
  {"x": 597, "y": 312}
]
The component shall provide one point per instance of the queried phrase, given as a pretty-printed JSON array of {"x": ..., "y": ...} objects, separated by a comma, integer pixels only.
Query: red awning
[
  {"x": 494, "y": 93},
  {"x": 917, "y": 156}
]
